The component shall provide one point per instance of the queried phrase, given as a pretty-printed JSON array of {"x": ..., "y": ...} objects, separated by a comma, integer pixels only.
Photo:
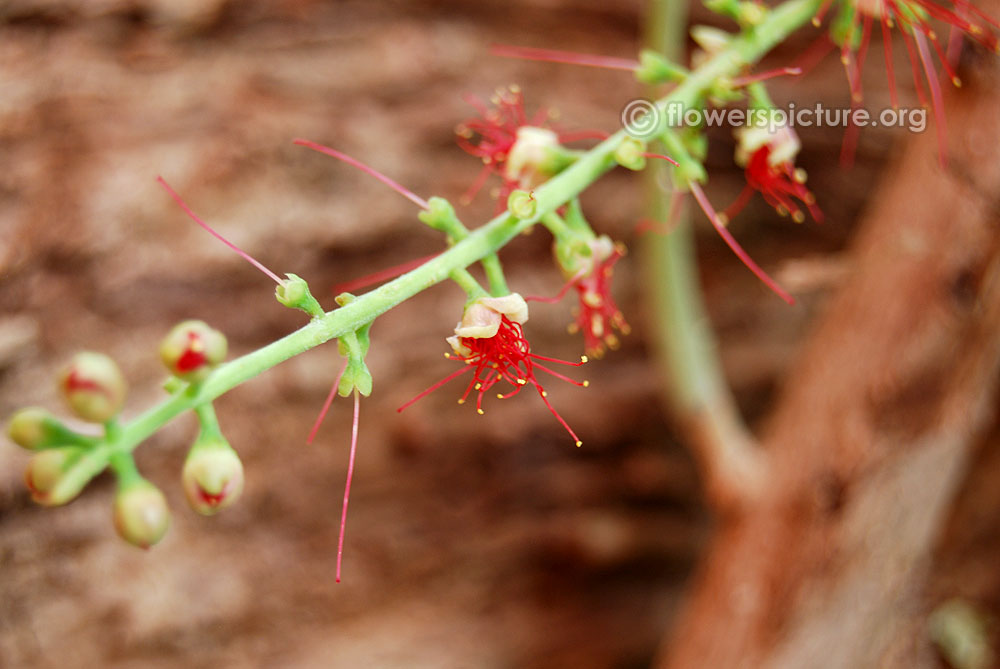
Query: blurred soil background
[{"x": 472, "y": 541}]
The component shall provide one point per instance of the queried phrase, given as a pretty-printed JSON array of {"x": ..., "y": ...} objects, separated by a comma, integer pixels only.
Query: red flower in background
[
  {"x": 768, "y": 158},
  {"x": 523, "y": 151}
]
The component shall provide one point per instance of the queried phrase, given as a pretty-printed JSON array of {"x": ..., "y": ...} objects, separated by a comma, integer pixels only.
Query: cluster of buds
[{"x": 64, "y": 460}]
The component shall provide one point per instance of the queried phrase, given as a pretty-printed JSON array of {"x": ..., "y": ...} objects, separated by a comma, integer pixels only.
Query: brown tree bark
[{"x": 874, "y": 429}]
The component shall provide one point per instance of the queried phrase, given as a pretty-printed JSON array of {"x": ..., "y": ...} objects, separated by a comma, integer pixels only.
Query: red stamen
[
  {"x": 935, "y": 89},
  {"x": 706, "y": 206},
  {"x": 567, "y": 57},
  {"x": 327, "y": 403},
  {"x": 371, "y": 171},
  {"x": 666, "y": 158},
  {"x": 763, "y": 76},
  {"x": 889, "y": 71},
  {"x": 243, "y": 254},
  {"x": 506, "y": 356},
  {"x": 350, "y": 475},
  {"x": 381, "y": 275}
]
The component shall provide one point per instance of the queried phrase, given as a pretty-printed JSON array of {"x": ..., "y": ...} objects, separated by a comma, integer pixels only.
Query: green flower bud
[
  {"x": 27, "y": 428},
  {"x": 141, "y": 515},
  {"x": 57, "y": 475},
  {"x": 522, "y": 204},
  {"x": 656, "y": 69},
  {"x": 294, "y": 293},
  {"x": 191, "y": 349},
  {"x": 93, "y": 386},
  {"x": 212, "y": 477},
  {"x": 629, "y": 154}
]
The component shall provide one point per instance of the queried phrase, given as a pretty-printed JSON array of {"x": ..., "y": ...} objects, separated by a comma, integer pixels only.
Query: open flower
[
  {"x": 767, "y": 154},
  {"x": 523, "y": 151},
  {"x": 589, "y": 267},
  {"x": 490, "y": 341},
  {"x": 852, "y": 29},
  {"x": 597, "y": 315}
]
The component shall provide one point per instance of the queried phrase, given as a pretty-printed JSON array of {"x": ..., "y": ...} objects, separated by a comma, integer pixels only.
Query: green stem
[
  {"x": 468, "y": 283},
  {"x": 479, "y": 244},
  {"x": 698, "y": 393}
]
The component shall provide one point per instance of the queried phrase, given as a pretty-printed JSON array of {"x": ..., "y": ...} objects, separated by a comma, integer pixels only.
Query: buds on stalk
[
  {"x": 141, "y": 515},
  {"x": 57, "y": 475},
  {"x": 93, "y": 386},
  {"x": 191, "y": 349},
  {"x": 32, "y": 428},
  {"x": 213, "y": 476}
]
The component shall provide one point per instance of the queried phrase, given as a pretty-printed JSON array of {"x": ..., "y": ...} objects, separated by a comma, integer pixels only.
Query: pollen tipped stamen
[
  {"x": 243, "y": 254},
  {"x": 561, "y": 377},
  {"x": 371, "y": 171},
  {"x": 454, "y": 375},
  {"x": 935, "y": 89}
]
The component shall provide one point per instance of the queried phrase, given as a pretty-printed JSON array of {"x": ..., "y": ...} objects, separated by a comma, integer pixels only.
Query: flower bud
[
  {"x": 191, "y": 349},
  {"x": 28, "y": 428},
  {"x": 212, "y": 477},
  {"x": 141, "y": 515},
  {"x": 294, "y": 293},
  {"x": 629, "y": 154},
  {"x": 57, "y": 475},
  {"x": 93, "y": 386},
  {"x": 522, "y": 204}
]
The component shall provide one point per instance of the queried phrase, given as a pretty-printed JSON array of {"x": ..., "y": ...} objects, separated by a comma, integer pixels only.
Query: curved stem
[
  {"x": 480, "y": 243},
  {"x": 698, "y": 394}
]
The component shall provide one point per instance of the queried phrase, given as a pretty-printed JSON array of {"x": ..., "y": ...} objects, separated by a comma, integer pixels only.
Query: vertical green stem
[{"x": 698, "y": 394}]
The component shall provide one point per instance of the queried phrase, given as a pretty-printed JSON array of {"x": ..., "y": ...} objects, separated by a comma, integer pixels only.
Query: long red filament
[
  {"x": 327, "y": 403},
  {"x": 371, "y": 171},
  {"x": 706, "y": 206},
  {"x": 350, "y": 475},
  {"x": 243, "y": 254}
]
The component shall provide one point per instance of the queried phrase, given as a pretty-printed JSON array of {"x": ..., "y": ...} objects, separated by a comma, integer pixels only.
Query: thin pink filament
[
  {"x": 763, "y": 76},
  {"x": 243, "y": 254},
  {"x": 350, "y": 475},
  {"x": 706, "y": 206},
  {"x": 327, "y": 403},
  {"x": 371, "y": 171},
  {"x": 935, "y": 89}
]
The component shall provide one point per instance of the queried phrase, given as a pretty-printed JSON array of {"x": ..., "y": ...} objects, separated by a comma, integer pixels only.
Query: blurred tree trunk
[{"x": 874, "y": 429}]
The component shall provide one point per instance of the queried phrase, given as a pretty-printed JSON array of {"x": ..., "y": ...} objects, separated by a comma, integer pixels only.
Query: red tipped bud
[
  {"x": 213, "y": 477},
  {"x": 191, "y": 349},
  {"x": 93, "y": 386},
  {"x": 141, "y": 515},
  {"x": 57, "y": 475}
]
